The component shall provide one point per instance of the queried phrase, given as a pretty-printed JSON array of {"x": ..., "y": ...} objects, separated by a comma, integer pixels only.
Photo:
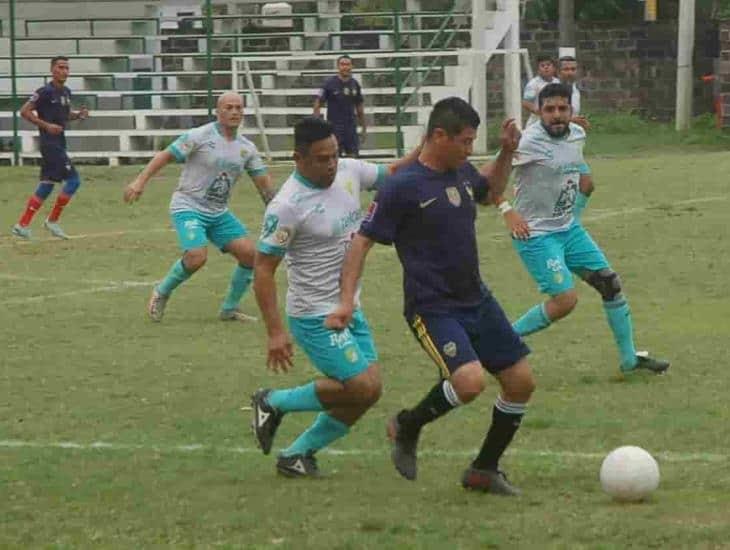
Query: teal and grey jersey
[
  {"x": 547, "y": 173},
  {"x": 212, "y": 166},
  {"x": 532, "y": 91},
  {"x": 313, "y": 227}
]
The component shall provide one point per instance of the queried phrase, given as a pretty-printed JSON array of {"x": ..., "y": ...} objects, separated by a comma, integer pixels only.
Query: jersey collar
[
  {"x": 221, "y": 133},
  {"x": 304, "y": 181}
]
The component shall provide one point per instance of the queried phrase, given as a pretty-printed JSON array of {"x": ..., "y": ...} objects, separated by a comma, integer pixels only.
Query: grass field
[{"x": 119, "y": 433}]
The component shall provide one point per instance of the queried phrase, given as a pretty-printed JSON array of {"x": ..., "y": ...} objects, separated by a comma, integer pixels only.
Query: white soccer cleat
[
  {"x": 156, "y": 305},
  {"x": 236, "y": 315},
  {"x": 20, "y": 231},
  {"x": 55, "y": 229}
]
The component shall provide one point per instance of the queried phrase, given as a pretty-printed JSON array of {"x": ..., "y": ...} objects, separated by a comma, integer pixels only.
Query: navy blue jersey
[
  {"x": 430, "y": 216},
  {"x": 53, "y": 105},
  {"x": 341, "y": 96}
]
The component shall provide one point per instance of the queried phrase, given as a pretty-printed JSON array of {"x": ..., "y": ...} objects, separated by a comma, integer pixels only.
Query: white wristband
[{"x": 504, "y": 207}]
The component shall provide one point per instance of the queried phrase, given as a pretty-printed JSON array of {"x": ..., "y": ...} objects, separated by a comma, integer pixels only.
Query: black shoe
[
  {"x": 488, "y": 481},
  {"x": 403, "y": 454},
  {"x": 298, "y": 465},
  {"x": 644, "y": 362},
  {"x": 266, "y": 420}
]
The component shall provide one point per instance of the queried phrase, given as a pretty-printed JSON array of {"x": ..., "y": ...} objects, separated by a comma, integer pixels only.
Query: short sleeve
[
  {"x": 385, "y": 213},
  {"x": 371, "y": 175},
  {"x": 39, "y": 96},
  {"x": 184, "y": 146},
  {"x": 324, "y": 92},
  {"x": 255, "y": 165},
  {"x": 530, "y": 92},
  {"x": 527, "y": 151},
  {"x": 278, "y": 229},
  {"x": 480, "y": 188}
]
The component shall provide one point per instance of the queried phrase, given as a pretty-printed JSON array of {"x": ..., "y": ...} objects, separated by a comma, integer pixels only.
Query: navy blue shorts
[
  {"x": 55, "y": 165},
  {"x": 482, "y": 333},
  {"x": 348, "y": 140}
]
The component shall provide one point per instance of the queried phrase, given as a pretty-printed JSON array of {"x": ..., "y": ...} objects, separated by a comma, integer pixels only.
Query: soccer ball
[{"x": 629, "y": 474}]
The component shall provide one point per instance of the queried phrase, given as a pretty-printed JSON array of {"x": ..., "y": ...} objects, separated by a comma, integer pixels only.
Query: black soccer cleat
[
  {"x": 265, "y": 421},
  {"x": 488, "y": 481},
  {"x": 404, "y": 449},
  {"x": 644, "y": 362},
  {"x": 298, "y": 465}
]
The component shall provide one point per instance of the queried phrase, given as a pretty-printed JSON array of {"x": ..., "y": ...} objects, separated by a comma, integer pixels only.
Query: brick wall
[{"x": 630, "y": 67}]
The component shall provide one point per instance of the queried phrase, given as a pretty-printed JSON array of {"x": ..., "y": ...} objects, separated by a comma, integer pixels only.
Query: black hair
[
  {"x": 308, "y": 130},
  {"x": 57, "y": 59},
  {"x": 452, "y": 115},
  {"x": 554, "y": 90},
  {"x": 566, "y": 58},
  {"x": 542, "y": 58},
  {"x": 343, "y": 56}
]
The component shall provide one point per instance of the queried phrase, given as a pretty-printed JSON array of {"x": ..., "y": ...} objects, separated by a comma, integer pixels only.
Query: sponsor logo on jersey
[
  {"x": 282, "y": 236},
  {"x": 454, "y": 196},
  {"x": 450, "y": 349}
]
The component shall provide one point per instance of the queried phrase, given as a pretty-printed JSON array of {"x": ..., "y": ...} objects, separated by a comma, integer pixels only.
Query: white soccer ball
[{"x": 629, "y": 474}]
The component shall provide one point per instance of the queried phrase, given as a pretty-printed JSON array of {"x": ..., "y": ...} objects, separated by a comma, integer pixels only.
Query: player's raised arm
[
  {"x": 279, "y": 344},
  {"x": 352, "y": 269},
  {"x": 497, "y": 172},
  {"x": 135, "y": 189}
]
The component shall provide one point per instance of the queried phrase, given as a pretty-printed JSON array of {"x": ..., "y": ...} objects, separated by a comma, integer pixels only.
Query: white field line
[
  {"x": 15, "y": 277},
  {"x": 603, "y": 214},
  {"x": 114, "y": 287},
  {"x": 10, "y": 444}
]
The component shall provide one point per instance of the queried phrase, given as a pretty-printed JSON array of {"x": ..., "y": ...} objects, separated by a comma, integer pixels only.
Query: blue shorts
[
  {"x": 55, "y": 164},
  {"x": 195, "y": 229},
  {"x": 552, "y": 259},
  {"x": 482, "y": 333},
  {"x": 337, "y": 354},
  {"x": 347, "y": 140}
]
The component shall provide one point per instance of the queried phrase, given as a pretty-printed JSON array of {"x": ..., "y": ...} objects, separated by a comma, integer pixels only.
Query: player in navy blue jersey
[
  {"x": 49, "y": 108},
  {"x": 428, "y": 211},
  {"x": 343, "y": 96}
]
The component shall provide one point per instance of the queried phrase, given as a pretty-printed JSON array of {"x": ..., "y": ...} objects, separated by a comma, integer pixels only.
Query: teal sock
[
  {"x": 533, "y": 321},
  {"x": 174, "y": 278},
  {"x": 301, "y": 398},
  {"x": 240, "y": 281},
  {"x": 619, "y": 319},
  {"x": 581, "y": 201},
  {"x": 321, "y": 433}
]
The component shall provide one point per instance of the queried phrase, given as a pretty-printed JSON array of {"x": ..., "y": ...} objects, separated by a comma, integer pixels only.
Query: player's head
[
  {"x": 59, "y": 68},
  {"x": 315, "y": 150},
  {"x": 545, "y": 67},
  {"x": 555, "y": 109},
  {"x": 344, "y": 66},
  {"x": 452, "y": 128},
  {"x": 567, "y": 69},
  {"x": 229, "y": 108}
]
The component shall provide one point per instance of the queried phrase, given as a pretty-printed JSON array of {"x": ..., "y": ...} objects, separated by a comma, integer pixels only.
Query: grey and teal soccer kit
[
  {"x": 312, "y": 227},
  {"x": 213, "y": 164},
  {"x": 547, "y": 174}
]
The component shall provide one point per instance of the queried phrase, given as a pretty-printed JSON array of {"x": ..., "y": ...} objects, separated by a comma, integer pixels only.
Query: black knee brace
[{"x": 606, "y": 282}]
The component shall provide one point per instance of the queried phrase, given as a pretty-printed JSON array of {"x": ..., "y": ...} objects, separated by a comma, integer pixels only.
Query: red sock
[
  {"x": 61, "y": 201},
  {"x": 34, "y": 204}
]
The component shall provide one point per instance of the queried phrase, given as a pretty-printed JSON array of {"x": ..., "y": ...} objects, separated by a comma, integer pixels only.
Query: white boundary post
[
  {"x": 512, "y": 84},
  {"x": 685, "y": 47},
  {"x": 257, "y": 108},
  {"x": 479, "y": 71}
]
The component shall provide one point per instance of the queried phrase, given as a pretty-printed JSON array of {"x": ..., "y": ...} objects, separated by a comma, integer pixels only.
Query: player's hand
[
  {"x": 83, "y": 113},
  {"x": 510, "y": 135},
  {"x": 133, "y": 192},
  {"x": 279, "y": 352},
  {"x": 54, "y": 129},
  {"x": 582, "y": 122},
  {"x": 517, "y": 225},
  {"x": 339, "y": 319}
]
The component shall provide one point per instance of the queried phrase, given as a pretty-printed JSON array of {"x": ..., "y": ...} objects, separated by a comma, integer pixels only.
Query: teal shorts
[
  {"x": 337, "y": 354},
  {"x": 195, "y": 229},
  {"x": 552, "y": 259}
]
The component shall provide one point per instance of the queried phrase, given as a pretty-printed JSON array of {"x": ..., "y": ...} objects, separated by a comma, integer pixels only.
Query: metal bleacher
[{"x": 143, "y": 74}]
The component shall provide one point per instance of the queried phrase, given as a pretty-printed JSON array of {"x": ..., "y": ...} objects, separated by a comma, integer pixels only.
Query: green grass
[{"x": 81, "y": 363}]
